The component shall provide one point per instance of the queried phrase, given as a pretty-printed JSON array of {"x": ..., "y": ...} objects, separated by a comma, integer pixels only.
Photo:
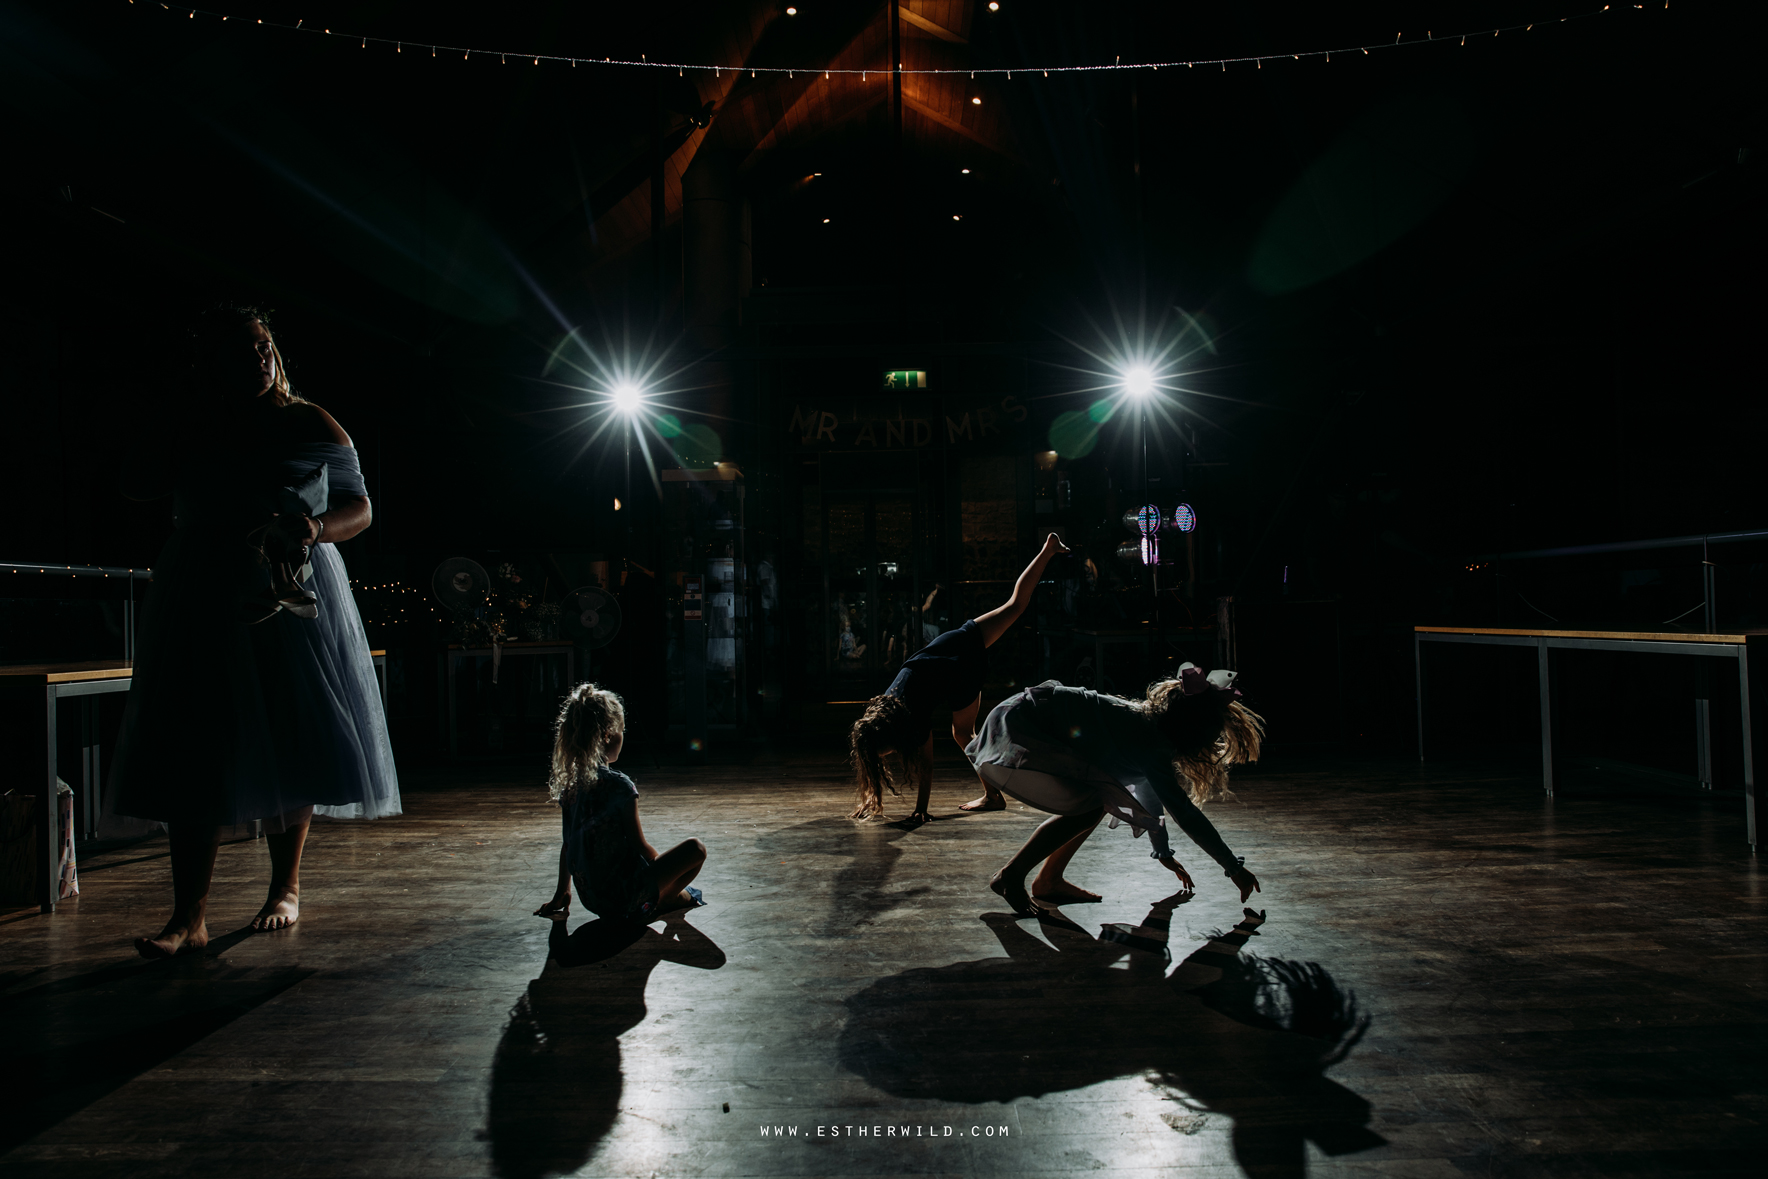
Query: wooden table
[
  {"x": 1721, "y": 646},
  {"x": 50, "y": 683}
]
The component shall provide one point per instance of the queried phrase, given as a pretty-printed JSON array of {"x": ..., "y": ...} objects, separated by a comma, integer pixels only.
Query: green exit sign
[{"x": 905, "y": 379}]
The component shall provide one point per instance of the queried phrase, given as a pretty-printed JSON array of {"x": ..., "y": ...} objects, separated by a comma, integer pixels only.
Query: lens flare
[{"x": 628, "y": 398}]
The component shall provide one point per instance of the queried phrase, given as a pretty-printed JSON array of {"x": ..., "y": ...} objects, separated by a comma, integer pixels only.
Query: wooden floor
[{"x": 1453, "y": 976}]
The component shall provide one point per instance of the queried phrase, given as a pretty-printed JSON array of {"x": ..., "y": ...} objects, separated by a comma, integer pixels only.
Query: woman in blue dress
[
  {"x": 943, "y": 677},
  {"x": 234, "y": 716}
]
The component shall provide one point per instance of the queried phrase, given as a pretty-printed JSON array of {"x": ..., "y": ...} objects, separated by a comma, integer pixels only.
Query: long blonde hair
[
  {"x": 589, "y": 721},
  {"x": 886, "y": 724},
  {"x": 1209, "y": 732}
]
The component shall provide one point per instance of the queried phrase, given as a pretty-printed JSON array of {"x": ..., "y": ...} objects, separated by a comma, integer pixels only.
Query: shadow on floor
[
  {"x": 75, "y": 1040},
  {"x": 556, "y": 1079},
  {"x": 1227, "y": 1033}
]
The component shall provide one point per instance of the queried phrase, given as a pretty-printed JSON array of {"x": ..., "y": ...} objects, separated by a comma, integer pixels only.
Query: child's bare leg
[
  {"x": 1052, "y": 834},
  {"x": 1050, "y": 886},
  {"x": 282, "y": 907},
  {"x": 994, "y": 624},
  {"x": 963, "y": 729},
  {"x": 673, "y": 871}
]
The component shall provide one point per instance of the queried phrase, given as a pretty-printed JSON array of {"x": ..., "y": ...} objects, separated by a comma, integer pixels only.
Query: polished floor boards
[{"x": 1445, "y": 975}]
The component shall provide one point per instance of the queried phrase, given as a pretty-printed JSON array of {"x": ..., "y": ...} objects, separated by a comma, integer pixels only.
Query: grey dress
[
  {"x": 229, "y": 722},
  {"x": 1071, "y": 750}
]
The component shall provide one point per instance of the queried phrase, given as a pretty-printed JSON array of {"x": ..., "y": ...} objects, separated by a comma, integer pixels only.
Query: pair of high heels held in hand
[{"x": 291, "y": 565}]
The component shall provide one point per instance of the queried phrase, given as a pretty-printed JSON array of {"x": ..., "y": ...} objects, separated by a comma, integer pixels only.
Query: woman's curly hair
[
  {"x": 886, "y": 724},
  {"x": 589, "y": 720},
  {"x": 1209, "y": 732}
]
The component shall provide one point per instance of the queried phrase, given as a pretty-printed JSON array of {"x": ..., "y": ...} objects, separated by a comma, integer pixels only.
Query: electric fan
[
  {"x": 460, "y": 584},
  {"x": 589, "y": 617}
]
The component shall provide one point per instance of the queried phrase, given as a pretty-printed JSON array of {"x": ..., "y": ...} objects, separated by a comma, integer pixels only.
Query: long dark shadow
[
  {"x": 124, "y": 1021},
  {"x": 857, "y": 895},
  {"x": 1226, "y": 1033},
  {"x": 556, "y": 1079}
]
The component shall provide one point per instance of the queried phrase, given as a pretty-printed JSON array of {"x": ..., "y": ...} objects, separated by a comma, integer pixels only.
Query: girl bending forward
[
  {"x": 944, "y": 676},
  {"x": 618, "y": 874},
  {"x": 1076, "y": 754}
]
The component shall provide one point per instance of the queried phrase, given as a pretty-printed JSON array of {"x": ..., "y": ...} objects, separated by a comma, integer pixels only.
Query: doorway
[{"x": 876, "y": 571}]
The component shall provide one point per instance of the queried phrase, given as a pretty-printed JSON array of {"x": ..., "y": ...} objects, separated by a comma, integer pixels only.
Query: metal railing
[
  {"x": 1709, "y": 577},
  {"x": 130, "y": 575}
]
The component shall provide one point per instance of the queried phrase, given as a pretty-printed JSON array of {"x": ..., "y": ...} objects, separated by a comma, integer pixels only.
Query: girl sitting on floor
[
  {"x": 944, "y": 676},
  {"x": 618, "y": 874}
]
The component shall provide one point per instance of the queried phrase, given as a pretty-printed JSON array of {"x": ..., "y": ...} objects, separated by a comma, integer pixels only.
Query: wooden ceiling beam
[
  {"x": 927, "y": 26},
  {"x": 952, "y": 124}
]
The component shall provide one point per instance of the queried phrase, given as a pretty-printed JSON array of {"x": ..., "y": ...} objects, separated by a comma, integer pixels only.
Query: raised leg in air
[
  {"x": 994, "y": 624},
  {"x": 1052, "y": 835}
]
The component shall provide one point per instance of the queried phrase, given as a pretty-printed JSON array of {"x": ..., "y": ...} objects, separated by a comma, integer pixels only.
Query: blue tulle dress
[{"x": 228, "y": 722}]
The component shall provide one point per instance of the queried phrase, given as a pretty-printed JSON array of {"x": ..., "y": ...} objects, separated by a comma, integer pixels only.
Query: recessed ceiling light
[
  {"x": 956, "y": 217},
  {"x": 965, "y": 171},
  {"x": 791, "y": 12},
  {"x": 975, "y": 102},
  {"x": 993, "y": 6},
  {"x": 816, "y": 173},
  {"x": 825, "y": 220}
]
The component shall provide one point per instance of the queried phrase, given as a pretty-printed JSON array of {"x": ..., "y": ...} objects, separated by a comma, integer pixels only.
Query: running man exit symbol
[{"x": 905, "y": 379}]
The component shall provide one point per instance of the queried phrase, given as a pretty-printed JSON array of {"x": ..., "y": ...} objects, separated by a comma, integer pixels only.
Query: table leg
[
  {"x": 1418, "y": 681},
  {"x": 453, "y": 738},
  {"x": 1703, "y": 725},
  {"x": 91, "y": 779},
  {"x": 1546, "y": 718},
  {"x": 49, "y": 840},
  {"x": 1749, "y": 757}
]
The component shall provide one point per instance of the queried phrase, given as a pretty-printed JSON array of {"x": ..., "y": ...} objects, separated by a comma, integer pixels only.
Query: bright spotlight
[
  {"x": 628, "y": 397},
  {"x": 1138, "y": 381}
]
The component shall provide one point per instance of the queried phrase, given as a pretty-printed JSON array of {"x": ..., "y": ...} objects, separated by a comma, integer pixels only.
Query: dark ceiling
[{"x": 1525, "y": 268}]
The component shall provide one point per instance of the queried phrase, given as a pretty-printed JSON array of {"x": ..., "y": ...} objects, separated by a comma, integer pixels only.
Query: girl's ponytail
[{"x": 589, "y": 720}]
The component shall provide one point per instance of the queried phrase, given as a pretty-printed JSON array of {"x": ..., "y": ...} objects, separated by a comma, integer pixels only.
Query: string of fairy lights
[
  {"x": 505, "y": 56},
  {"x": 397, "y": 606}
]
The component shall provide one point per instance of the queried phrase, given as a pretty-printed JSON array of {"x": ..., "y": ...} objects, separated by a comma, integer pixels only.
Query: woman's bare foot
[
  {"x": 1053, "y": 545},
  {"x": 281, "y": 910},
  {"x": 1013, "y": 892},
  {"x": 1064, "y": 893},
  {"x": 988, "y": 802},
  {"x": 178, "y": 937}
]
